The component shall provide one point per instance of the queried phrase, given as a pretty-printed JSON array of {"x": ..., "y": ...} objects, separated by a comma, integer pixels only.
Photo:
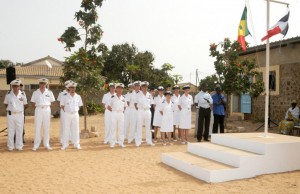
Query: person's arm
[
  {"x": 25, "y": 102},
  {"x": 33, "y": 99},
  {"x": 62, "y": 104}
]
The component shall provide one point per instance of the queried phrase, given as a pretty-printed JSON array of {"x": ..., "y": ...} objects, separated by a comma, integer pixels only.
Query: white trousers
[
  {"x": 42, "y": 120},
  {"x": 126, "y": 121},
  {"x": 133, "y": 124},
  {"x": 117, "y": 122},
  {"x": 107, "y": 119},
  {"x": 15, "y": 124},
  {"x": 71, "y": 128},
  {"x": 61, "y": 125},
  {"x": 144, "y": 117}
]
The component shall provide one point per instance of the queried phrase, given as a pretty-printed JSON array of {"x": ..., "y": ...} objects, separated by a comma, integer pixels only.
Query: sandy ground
[{"x": 99, "y": 169}]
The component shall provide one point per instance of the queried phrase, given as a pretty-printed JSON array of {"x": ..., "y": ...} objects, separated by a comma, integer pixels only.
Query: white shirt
[
  {"x": 106, "y": 98},
  {"x": 166, "y": 107},
  {"x": 133, "y": 98},
  {"x": 118, "y": 103},
  {"x": 175, "y": 100},
  {"x": 60, "y": 95},
  {"x": 201, "y": 96},
  {"x": 15, "y": 103},
  {"x": 42, "y": 99},
  {"x": 144, "y": 101},
  {"x": 127, "y": 97},
  {"x": 71, "y": 103},
  {"x": 186, "y": 101},
  {"x": 158, "y": 100},
  {"x": 294, "y": 112}
]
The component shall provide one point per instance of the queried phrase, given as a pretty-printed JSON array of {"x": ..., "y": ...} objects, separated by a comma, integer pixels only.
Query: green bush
[{"x": 92, "y": 108}]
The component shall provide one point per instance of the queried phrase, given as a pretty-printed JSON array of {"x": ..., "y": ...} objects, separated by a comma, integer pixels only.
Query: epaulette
[
  {"x": 123, "y": 96},
  {"x": 137, "y": 91},
  {"x": 163, "y": 101},
  {"x": 23, "y": 93},
  {"x": 8, "y": 92},
  {"x": 112, "y": 96},
  {"x": 65, "y": 94}
]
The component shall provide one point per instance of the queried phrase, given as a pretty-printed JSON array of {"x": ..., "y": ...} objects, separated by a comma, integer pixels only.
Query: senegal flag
[{"x": 243, "y": 30}]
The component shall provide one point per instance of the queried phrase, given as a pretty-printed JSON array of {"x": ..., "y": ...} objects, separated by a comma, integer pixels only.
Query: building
[
  {"x": 194, "y": 88},
  {"x": 284, "y": 80},
  {"x": 29, "y": 73}
]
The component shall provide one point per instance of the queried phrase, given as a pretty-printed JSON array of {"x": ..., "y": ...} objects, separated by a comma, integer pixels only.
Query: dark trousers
[
  {"x": 204, "y": 117},
  {"x": 218, "y": 120}
]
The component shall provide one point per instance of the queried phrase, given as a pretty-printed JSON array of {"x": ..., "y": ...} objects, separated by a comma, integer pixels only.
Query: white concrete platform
[{"x": 237, "y": 156}]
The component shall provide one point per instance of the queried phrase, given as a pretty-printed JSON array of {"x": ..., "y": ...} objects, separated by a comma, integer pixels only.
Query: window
[{"x": 272, "y": 81}]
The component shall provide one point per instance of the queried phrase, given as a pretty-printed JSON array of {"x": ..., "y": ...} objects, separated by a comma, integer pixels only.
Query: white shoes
[
  {"x": 48, "y": 148},
  {"x": 151, "y": 144},
  {"x": 34, "y": 149},
  {"x": 122, "y": 145}
]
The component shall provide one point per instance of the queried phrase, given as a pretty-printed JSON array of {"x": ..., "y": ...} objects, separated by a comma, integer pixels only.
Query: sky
[{"x": 178, "y": 32}]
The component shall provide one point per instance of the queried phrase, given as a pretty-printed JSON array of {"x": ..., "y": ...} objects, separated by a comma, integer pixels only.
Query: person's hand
[{"x": 109, "y": 108}]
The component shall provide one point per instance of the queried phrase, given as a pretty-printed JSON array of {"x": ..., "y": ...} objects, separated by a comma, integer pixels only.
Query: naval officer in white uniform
[
  {"x": 14, "y": 101},
  {"x": 107, "y": 113},
  {"x": 60, "y": 95},
  {"x": 70, "y": 104},
  {"x": 133, "y": 111},
  {"x": 142, "y": 104},
  {"x": 166, "y": 109},
  {"x": 176, "y": 114},
  {"x": 157, "y": 116},
  {"x": 127, "y": 110},
  {"x": 42, "y": 99},
  {"x": 185, "y": 106},
  {"x": 117, "y": 106}
]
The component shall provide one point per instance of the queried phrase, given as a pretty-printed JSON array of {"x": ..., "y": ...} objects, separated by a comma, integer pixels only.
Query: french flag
[{"x": 281, "y": 26}]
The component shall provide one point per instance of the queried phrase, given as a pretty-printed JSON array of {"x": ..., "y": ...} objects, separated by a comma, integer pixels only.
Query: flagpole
[
  {"x": 268, "y": 68},
  {"x": 267, "y": 74}
]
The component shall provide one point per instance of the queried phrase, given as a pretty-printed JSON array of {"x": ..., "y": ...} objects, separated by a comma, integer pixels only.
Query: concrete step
[
  {"x": 203, "y": 168},
  {"x": 242, "y": 141},
  {"x": 224, "y": 154}
]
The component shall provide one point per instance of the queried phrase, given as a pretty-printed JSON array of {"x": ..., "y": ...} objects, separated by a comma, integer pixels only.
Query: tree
[
  {"x": 235, "y": 74},
  {"x": 85, "y": 65},
  {"x": 117, "y": 61},
  {"x": 211, "y": 81},
  {"x": 177, "y": 78},
  {"x": 6, "y": 63}
]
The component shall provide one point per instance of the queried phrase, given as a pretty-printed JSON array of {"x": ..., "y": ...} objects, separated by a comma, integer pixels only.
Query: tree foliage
[
  {"x": 126, "y": 63},
  {"x": 85, "y": 65},
  {"x": 211, "y": 81},
  {"x": 236, "y": 75}
]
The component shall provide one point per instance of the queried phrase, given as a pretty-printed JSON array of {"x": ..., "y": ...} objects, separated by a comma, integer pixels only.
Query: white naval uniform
[
  {"x": 118, "y": 105},
  {"x": 42, "y": 115},
  {"x": 176, "y": 113},
  {"x": 186, "y": 103},
  {"x": 167, "y": 117},
  {"x": 71, "y": 119},
  {"x": 133, "y": 116},
  {"x": 60, "y": 95},
  {"x": 144, "y": 117},
  {"x": 127, "y": 115},
  {"x": 157, "y": 116},
  {"x": 15, "y": 120},
  {"x": 107, "y": 116}
]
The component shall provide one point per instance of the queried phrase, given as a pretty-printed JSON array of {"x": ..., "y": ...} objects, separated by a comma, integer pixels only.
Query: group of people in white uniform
[
  {"x": 126, "y": 115},
  {"x": 42, "y": 99}
]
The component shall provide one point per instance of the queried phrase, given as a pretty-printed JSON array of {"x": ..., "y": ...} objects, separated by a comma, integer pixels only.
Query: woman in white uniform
[
  {"x": 166, "y": 110},
  {"x": 157, "y": 116},
  {"x": 185, "y": 106},
  {"x": 176, "y": 114}
]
